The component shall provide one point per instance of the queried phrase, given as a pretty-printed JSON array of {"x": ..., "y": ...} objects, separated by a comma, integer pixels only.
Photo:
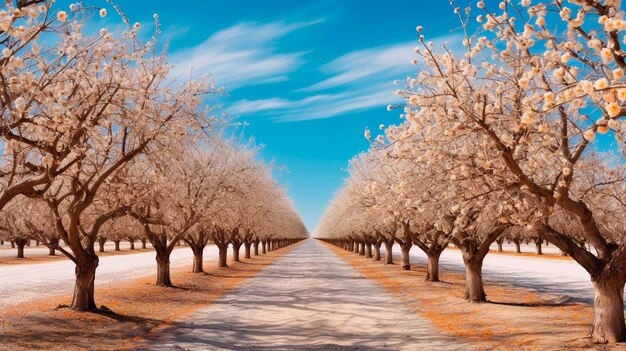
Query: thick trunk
[
  {"x": 406, "y": 261},
  {"x": 236, "y": 253},
  {"x": 132, "y": 244},
  {"x": 499, "y": 242},
  {"x": 163, "y": 269},
  {"x": 264, "y": 246},
  {"x": 117, "y": 245},
  {"x": 362, "y": 248},
  {"x": 223, "y": 253},
  {"x": 389, "y": 252},
  {"x": 368, "y": 250},
  {"x": 51, "y": 251},
  {"x": 355, "y": 248},
  {"x": 377, "y": 251},
  {"x": 474, "y": 291},
  {"x": 432, "y": 271},
  {"x": 85, "y": 271},
  {"x": 101, "y": 246},
  {"x": 247, "y": 252},
  {"x": 256, "y": 248},
  {"x": 518, "y": 249},
  {"x": 197, "y": 260},
  {"x": 143, "y": 243},
  {"x": 20, "y": 247},
  {"x": 608, "y": 319}
]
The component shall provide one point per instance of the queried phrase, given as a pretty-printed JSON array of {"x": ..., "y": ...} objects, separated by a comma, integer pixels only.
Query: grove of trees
[
  {"x": 518, "y": 135},
  {"x": 100, "y": 142}
]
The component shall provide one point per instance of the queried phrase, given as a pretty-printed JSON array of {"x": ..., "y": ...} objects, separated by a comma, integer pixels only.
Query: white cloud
[
  {"x": 354, "y": 67},
  {"x": 244, "y": 54},
  {"x": 316, "y": 106}
]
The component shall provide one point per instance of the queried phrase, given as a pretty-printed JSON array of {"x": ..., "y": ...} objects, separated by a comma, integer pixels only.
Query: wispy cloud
[
  {"x": 356, "y": 66},
  {"x": 244, "y": 54},
  {"x": 356, "y": 81}
]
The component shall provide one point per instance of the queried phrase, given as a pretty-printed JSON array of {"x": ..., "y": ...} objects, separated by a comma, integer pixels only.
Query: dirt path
[{"x": 307, "y": 300}]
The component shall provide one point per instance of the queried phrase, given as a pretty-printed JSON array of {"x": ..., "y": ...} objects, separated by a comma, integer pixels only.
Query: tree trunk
[
  {"x": 362, "y": 248},
  {"x": 388, "y": 251},
  {"x": 247, "y": 247},
  {"x": 474, "y": 291},
  {"x": 256, "y": 248},
  {"x": 499, "y": 242},
  {"x": 377, "y": 251},
  {"x": 163, "y": 269},
  {"x": 264, "y": 246},
  {"x": 223, "y": 253},
  {"x": 198, "y": 253},
  {"x": 143, "y": 243},
  {"x": 101, "y": 245},
  {"x": 608, "y": 319},
  {"x": 368, "y": 250},
  {"x": 406, "y": 261},
  {"x": 518, "y": 249},
  {"x": 132, "y": 244},
  {"x": 117, "y": 245},
  {"x": 12, "y": 244},
  {"x": 85, "y": 271},
  {"x": 432, "y": 271},
  {"x": 236, "y": 253},
  {"x": 51, "y": 251},
  {"x": 20, "y": 247},
  {"x": 538, "y": 247},
  {"x": 355, "y": 247}
]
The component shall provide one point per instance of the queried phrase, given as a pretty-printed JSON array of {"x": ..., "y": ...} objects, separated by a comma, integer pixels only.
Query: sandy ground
[
  {"x": 563, "y": 278},
  {"x": 21, "y": 283},
  {"x": 139, "y": 310},
  {"x": 513, "y": 319},
  {"x": 308, "y": 300},
  {"x": 8, "y": 254}
]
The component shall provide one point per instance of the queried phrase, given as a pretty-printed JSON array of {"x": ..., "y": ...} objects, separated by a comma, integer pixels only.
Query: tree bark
[
  {"x": 368, "y": 249},
  {"x": 432, "y": 271},
  {"x": 406, "y": 260},
  {"x": 101, "y": 245},
  {"x": 83, "y": 299},
  {"x": 264, "y": 246},
  {"x": 223, "y": 253},
  {"x": 388, "y": 251},
  {"x": 518, "y": 249},
  {"x": 256, "y": 248},
  {"x": 474, "y": 290},
  {"x": 198, "y": 253},
  {"x": 247, "y": 249},
  {"x": 608, "y": 319},
  {"x": 20, "y": 247},
  {"x": 377, "y": 251},
  {"x": 163, "y": 269},
  {"x": 132, "y": 244},
  {"x": 236, "y": 252},
  {"x": 117, "y": 245},
  {"x": 143, "y": 243}
]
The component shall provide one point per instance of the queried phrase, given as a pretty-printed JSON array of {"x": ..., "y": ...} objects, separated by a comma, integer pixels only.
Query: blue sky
[{"x": 308, "y": 76}]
